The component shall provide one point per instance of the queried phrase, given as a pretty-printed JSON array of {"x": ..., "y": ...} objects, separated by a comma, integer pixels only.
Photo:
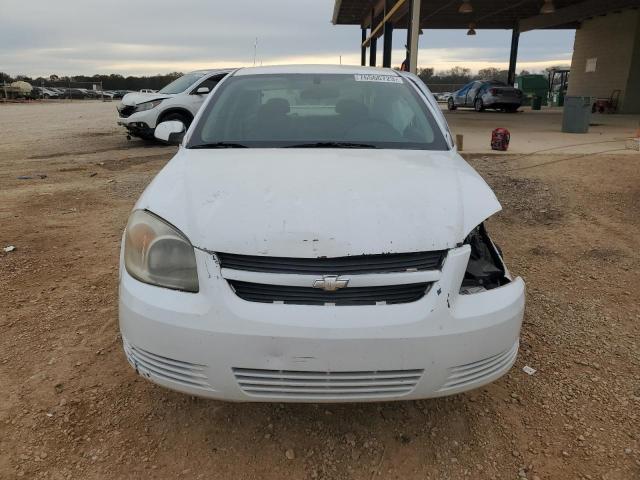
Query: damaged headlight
[
  {"x": 157, "y": 253},
  {"x": 141, "y": 107},
  {"x": 485, "y": 269}
]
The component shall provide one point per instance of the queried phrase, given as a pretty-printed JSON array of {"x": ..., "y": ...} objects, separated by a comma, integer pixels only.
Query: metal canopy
[{"x": 487, "y": 14}]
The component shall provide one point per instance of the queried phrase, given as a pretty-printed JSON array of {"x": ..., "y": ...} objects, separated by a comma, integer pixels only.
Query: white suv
[{"x": 140, "y": 112}]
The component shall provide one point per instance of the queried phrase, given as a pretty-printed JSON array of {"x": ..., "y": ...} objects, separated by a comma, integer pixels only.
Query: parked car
[
  {"x": 139, "y": 112},
  {"x": 103, "y": 94},
  {"x": 482, "y": 94},
  {"x": 60, "y": 91},
  {"x": 118, "y": 94},
  {"x": 442, "y": 96},
  {"x": 76, "y": 93},
  {"x": 148, "y": 90},
  {"x": 44, "y": 92},
  {"x": 317, "y": 238},
  {"x": 88, "y": 93}
]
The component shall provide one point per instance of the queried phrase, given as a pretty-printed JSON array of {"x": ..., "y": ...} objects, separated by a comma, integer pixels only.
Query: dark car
[
  {"x": 40, "y": 92},
  {"x": 119, "y": 93},
  {"x": 483, "y": 94}
]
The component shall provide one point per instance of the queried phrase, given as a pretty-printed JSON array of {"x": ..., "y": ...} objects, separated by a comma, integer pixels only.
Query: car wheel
[
  {"x": 478, "y": 105},
  {"x": 512, "y": 109},
  {"x": 451, "y": 105},
  {"x": 179, "y": 117}
]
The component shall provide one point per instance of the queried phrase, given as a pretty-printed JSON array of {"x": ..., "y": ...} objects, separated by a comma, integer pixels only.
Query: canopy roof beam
[{"x": 378, "y": 29}]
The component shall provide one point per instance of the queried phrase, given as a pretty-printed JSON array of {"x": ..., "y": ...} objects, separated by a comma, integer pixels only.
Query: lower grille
[
  {"x": 288, "y": 383},
  {"x": 126, "y": 110},
  {"x": 385, "y": 295},
  {"x": 151, "y": 365},
  {"x": 470, "y": 373}
]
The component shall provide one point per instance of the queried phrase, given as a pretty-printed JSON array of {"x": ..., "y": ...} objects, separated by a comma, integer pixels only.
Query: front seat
[{"x": 272, "y": 121}]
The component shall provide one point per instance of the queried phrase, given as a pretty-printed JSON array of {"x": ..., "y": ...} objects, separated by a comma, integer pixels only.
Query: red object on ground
[{"x": 500, "y": 138}]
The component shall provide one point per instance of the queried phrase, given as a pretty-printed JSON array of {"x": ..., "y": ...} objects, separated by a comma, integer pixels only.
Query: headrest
[{"x": 275, "y": 106}]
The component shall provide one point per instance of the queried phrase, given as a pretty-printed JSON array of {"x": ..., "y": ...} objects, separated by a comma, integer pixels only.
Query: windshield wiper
[
  {"x": 219, "y": 145},
  {"x": 331, "y": 145}
]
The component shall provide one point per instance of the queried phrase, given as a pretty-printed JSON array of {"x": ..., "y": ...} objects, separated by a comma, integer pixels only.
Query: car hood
[
  {"x": 320, "y": 202},
  {"x": 136, "y": 98}
]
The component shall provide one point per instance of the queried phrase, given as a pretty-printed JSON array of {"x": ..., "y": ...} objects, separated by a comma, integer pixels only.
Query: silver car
[{"x": 482, "y": 94}]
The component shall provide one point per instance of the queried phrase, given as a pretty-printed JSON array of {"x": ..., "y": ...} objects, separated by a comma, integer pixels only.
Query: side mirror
[
  {"x": 171, "y": 132},
  {"x": 202, "y": 90}
]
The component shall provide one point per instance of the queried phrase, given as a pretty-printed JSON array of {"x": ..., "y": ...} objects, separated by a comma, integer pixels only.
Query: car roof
[{"x": 328, "y": 69}]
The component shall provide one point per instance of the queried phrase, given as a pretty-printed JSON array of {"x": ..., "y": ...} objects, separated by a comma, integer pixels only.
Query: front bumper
[
  {"x": 216, "y": 345},
  {"x": 139, "y": 124}
]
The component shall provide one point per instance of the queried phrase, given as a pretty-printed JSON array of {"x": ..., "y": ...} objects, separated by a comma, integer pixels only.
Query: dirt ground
[{"x": 71, "y": 407}]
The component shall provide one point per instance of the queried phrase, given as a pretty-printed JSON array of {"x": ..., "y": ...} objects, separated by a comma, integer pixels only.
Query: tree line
[
  {"x": 112, "y": 81},
  {"x": 455, "y": 76},
  {"x": 462, "y": 75}
]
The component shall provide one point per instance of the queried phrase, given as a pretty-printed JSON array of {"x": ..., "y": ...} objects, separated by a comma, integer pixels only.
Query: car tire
[
  {"x": 451, "y": 105},
  {"x": 512, "y": 109},
  {"x": 177, "y": 116},
  {"x": 478, "y": 105}
]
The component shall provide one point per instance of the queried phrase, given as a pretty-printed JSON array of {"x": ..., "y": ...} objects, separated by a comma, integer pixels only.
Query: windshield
[
  {"x": 179, "y": 85},
  {"x": 317, "y": 110}
]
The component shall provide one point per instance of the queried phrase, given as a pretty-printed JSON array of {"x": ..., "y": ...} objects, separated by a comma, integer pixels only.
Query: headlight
[
  {"x": 485, "y": 270},
  {"x": 157, "y": 253},
  {"x": 141, "y": 107}
]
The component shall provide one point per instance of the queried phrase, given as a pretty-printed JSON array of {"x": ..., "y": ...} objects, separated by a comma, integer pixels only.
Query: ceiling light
[
  {"x": 547, "y": 7},
  {"x": 466, "y": 7},
  {"x": 472, "y": 29}
]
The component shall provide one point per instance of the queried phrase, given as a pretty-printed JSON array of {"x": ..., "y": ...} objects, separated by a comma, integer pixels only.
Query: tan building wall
[{"x": 606, "y": 57}]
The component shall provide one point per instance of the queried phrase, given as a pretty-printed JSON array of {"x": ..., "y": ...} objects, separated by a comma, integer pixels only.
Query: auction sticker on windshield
[{"x": 368, "y": 77}]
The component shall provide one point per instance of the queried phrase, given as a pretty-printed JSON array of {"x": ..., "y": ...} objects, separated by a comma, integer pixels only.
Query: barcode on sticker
[{"x": 370, "y": 77}]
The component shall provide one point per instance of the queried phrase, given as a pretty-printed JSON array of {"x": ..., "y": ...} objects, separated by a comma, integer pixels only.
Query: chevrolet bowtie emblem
[{"x": 330, "y": 283}]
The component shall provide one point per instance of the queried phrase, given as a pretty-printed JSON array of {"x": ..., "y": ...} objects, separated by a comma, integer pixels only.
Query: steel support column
[
  {"x": 372, "y": 52},
  {"x": 388, "y": 45},
  {"x": 363, "y": 49},
  {"x": 414, "y": 28},
  {"x": 513, "y": 58},
  {"x": 407, "y": 45}
]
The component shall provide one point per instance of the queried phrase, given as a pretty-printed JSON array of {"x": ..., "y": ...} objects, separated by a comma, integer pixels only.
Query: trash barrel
[
  {"x": 576, "y": 115},
  {"x": 536, "y": 102}
]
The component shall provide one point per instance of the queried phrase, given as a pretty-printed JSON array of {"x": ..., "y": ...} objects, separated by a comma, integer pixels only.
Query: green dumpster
[
  {"x": 576, "y": 114},
  {"x": 533, "y": 86}
]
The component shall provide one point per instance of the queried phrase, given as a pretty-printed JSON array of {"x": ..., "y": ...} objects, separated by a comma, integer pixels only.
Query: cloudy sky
[{"x": 42, "y": 37}]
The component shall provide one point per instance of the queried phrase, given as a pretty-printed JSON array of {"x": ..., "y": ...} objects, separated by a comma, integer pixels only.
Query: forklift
[{"x": 558, "y": 89}]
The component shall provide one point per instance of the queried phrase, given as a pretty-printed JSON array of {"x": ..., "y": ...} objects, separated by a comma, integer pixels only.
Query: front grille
[
  {"x": 126, "y": 110},
  {"x": 356, "y": 264},
  {"x": 472, "y": 373},
  {"x": 386, "y": 295},
  {"x": 309, "y": 384},
  {"x": 152, "y": 366}
]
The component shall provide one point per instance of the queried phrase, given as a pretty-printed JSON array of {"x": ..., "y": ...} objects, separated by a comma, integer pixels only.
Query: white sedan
[{"x": 317, "y": 238}]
